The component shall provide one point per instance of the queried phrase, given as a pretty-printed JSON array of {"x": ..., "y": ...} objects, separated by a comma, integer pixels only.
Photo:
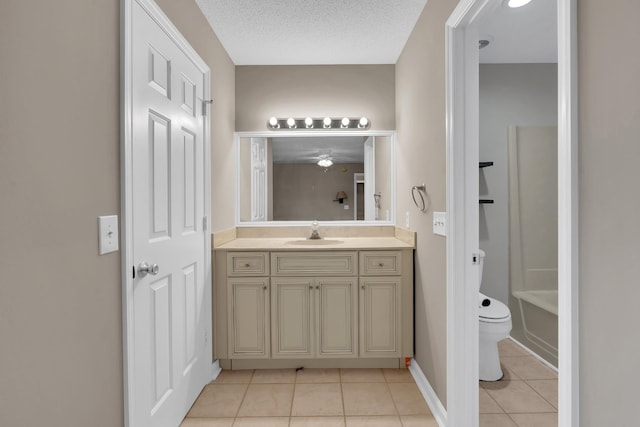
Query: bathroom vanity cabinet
[{"x": 316, "y": 308}]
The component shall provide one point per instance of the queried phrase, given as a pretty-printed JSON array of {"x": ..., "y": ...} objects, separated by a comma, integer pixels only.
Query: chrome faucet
[{"x": 315, "y": 235}]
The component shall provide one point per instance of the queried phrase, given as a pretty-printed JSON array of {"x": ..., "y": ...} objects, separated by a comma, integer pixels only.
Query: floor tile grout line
[
  {"x": 541, "y": 396},
  {"x": 246, "y": 390}
]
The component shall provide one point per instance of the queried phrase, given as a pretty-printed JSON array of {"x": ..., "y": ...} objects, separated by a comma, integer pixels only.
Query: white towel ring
[{"x": 425, "y": 200}]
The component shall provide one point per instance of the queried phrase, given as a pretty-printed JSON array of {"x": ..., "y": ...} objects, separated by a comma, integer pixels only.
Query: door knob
[{"x": 144, "y": 269}]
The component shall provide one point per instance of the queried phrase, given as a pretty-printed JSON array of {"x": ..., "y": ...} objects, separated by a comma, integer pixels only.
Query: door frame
[
  {"x": 462, "y": 112},
  {"x": 126, "y": 185}
]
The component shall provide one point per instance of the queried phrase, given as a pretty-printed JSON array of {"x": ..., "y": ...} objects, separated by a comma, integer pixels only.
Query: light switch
[
  {"x": 108, "y": 233},
  {"x": 440, "y": 223}
]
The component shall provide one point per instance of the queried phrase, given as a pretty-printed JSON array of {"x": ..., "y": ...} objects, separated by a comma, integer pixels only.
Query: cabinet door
[
  {"x": 248, "y": 312},
  {"x": 292, "y": 317},
  {"x": 337, "y": 308},
  {"x": 380, "y": 317}
]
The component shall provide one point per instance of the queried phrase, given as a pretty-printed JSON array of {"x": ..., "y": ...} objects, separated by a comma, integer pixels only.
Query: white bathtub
[
  {"x": 539, "y": 312},
  {"x": 546, "y": 300}
]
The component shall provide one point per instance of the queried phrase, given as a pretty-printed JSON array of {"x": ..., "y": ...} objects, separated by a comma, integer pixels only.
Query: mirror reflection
[{"x": 292, "y": 177}]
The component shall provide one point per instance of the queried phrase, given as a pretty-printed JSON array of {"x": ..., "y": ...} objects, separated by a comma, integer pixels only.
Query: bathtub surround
[{"x": 533, "y": 237}]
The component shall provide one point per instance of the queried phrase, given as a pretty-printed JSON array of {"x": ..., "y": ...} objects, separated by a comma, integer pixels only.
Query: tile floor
[
  {"x": 527, "y": 395},
  {"x": 311, "y": 398}
]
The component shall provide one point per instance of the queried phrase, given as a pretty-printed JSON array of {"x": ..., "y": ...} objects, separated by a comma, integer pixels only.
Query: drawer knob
[
  {"x": 380, "y": 264},
  {"x": 247, "y": 265}
]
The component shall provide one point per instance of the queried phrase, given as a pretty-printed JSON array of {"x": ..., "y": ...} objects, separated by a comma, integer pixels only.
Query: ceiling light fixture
[
  {"x": 517, "y": 3},
  {"x": 325, "y": 163}
]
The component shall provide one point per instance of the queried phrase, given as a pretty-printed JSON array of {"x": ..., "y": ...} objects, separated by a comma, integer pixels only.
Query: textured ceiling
[
  {"x": 292, "y": 32},
  {"x": 522, "y": 35},
  {"x": 296, "y": 32}
]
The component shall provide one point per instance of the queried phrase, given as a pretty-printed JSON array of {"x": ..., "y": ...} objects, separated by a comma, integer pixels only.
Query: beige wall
[
  {"x": 609, "y": 67},
  {"x": 420, "y": 117},
  {"x": 60, "y": 303},
  {"x": 315, "y": 90}
]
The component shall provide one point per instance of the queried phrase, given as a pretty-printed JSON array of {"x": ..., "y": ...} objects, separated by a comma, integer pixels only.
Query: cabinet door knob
[
  {"x": 310, "y": 286},
  {"x": 317, "y": 287},
  {"x": 362, "y": 286},
  {"x": 264, "y": 287}
]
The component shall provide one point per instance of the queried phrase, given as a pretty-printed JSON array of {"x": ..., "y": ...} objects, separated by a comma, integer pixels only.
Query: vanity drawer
[
  {"x": 314, "y": 263},
  {"x": 380, "y": 263},
  {"x": 247, "y": 263}
]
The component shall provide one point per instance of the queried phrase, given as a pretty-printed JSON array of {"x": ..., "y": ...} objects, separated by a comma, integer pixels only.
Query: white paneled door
[{"x": 167, "y": 312}]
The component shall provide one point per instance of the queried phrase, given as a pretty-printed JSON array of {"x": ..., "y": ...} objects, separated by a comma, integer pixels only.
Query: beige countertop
[
  {"x": 294, "y": 238},
  {"x": 302, "y": 244}
]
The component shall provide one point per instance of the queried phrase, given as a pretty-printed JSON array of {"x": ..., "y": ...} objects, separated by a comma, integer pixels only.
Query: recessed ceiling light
[{"x": 517, "y": 3}]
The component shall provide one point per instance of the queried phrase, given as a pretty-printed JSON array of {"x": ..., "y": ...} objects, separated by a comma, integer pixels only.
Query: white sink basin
[{"x": 315, "y": 242}]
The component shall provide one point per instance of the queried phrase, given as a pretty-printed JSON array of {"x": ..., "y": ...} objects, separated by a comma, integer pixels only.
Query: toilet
[{"x": 495, "y": 325}]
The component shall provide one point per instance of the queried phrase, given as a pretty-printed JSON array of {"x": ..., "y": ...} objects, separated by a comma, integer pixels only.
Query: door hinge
[
  {"x": 134, "y": 271},
  {"x": 204, "y": 105},
  {"x": 205, "y": 223},
  {"x": 475, "y": 259}
]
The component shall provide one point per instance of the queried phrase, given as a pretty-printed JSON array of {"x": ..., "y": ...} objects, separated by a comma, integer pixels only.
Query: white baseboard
[
  {"x": 533, "y": 353},
  {"x": 433, "y": 402},
  {"x": 215, "y": 370}
]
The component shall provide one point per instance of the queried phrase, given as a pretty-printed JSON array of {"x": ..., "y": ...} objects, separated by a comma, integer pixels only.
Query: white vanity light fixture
[
  {"x": 273, "y": 123},
  {"x": 308, "y": 123},
  {"x": 517, "y": 3},
  {"x": 293, "y": 123}
]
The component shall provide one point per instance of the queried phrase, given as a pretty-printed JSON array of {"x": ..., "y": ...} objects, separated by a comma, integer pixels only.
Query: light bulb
[
  {"x": 308, "y": 122},
  {"x": 517, "y": 3},
  {"x": 363, "y": 123},
  {"x": 273, "y": 122},
  {"x": 345, "y": 122},
  {"x": 291, "y": 123},
  {"x": 326, "y": 123}
]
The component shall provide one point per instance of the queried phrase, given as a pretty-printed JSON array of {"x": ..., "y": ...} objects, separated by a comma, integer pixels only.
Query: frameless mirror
[{"x": 306, "y": 176}]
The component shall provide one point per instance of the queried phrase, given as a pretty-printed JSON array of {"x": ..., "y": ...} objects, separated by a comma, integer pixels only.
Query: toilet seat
[{"x": 495, "y": 312}]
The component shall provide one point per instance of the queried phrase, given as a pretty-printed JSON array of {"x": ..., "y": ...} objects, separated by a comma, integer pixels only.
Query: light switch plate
[
  {"x": 108, "y": 234},
  {"x": 440, "y": 223}
]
